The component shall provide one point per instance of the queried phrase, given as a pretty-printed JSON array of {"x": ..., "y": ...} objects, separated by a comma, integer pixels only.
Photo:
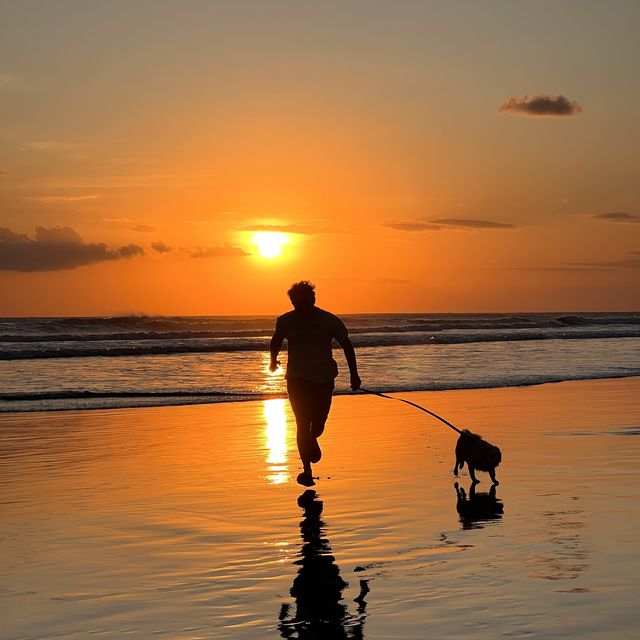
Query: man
[{"x": 311, "y": 369}]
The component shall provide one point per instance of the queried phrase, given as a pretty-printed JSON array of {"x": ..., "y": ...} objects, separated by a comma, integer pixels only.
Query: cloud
[
  {"x": 131, "y": 251},
  {"x": 54, "y": 199},
  {"x": 160, "y": 247},
  {"x": 619, "y": 216},
  {"x": 225, "y": 250},
  {"x": 472, "y": 224},
  {"x": 143, "y": 228},
  {"x": 126, "y": 223},
  {"x": 413, "y": 225},
  {"x": 55, "y": 249},
  {"x": 3, "y": 172},
  {"x": 541, "y": 106},
  {"x": 443, "y": 224},
  {"x": 302, "y": 229},
  {"x": 630, "y": 260},
  {"x": 391, "y": 281},
  {"x": 48, "y": 145},
  {"x": 7, "y": 80}
]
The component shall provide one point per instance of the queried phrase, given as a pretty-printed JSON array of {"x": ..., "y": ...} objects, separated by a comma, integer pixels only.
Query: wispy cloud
[
  {"x": 56, "y": 249},
  {"x": 444, "y": 224},
  {"x": 619, "y": 216},
  {"x": 630, "y": 260},
  {"x": 126, "y": 223},
  {"x": 541, "y": 106},
  {"x": 472, "y": 224},
  {"x": 225, "y": 250},
  {"x": 413, "y": 225},
  {"x": 49, "y": 145},
  {"x": 56, "y": 199},
  {"x": 143, "y": 228},
  {"x": 7, "y": 80},
  {"x": 302, "y": 229}
]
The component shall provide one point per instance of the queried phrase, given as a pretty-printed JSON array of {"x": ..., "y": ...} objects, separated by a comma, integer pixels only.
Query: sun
[{"x": 270, "y": 243}]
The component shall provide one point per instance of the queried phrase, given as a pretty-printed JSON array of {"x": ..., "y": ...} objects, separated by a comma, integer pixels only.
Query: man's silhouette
[
  {"x": 311, "y": 369},
  {"x": 320, "y": 612}
]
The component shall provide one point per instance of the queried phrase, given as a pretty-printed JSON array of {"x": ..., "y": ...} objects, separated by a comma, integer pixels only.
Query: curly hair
[{"x": 304, "y": 287}]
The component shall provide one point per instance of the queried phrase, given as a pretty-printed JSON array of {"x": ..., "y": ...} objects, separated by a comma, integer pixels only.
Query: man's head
[{"x": 303, "y": 296}]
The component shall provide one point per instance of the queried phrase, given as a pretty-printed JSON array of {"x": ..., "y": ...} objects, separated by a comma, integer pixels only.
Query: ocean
[{"x": 132, "y": 361}]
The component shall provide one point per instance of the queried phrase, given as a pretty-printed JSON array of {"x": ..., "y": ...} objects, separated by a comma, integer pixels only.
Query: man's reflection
[
  {"x": 317, "y": 589},
  {"x": 477, "y": 508}
]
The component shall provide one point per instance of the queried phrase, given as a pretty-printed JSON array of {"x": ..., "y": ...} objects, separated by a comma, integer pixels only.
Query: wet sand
[{"x": 186, "y": 522}]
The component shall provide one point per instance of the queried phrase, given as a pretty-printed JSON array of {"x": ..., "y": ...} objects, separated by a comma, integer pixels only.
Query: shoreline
[{"x": 226, "y": 399}]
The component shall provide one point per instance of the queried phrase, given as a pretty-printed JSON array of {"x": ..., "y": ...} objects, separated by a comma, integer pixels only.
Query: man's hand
[
  {"x": 355, "y": 382},
  {"x": 274, "y": 365}
]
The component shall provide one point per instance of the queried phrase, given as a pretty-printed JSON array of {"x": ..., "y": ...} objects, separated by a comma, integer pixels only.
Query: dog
[{"x": 478, "y": 454}]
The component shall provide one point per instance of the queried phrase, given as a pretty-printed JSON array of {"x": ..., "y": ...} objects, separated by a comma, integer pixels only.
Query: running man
[{"x": 311, "y": 369}]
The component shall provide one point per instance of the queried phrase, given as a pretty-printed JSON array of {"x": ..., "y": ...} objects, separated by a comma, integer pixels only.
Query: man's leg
[
  {"x": 301, "y": 404},
  {"x": 322, "y": 396}
]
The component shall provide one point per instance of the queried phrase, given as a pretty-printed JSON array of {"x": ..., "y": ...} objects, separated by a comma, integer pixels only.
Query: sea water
[{"x": 73, "y": 363}]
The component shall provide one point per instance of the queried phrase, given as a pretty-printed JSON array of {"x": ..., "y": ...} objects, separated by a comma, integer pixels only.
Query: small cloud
[
  {"x": 7, "y": 80},
  {"x": 472, "y": 224},
  {"x": 630, "y": 260},
  {"x": 413, "y": 225},
  {"x": 131, "y": 251},
  {"x": 126, "y": 223},
  {"x": 160, "y": 247},
  {"x": 391, "y": 281},
  {"x": 55, "y": 249},
  {"x": 143, "y": 228},
  {"x": 54, "y": 199},
  {"x": 3, "y": 172},
  {"x": 541, "y": 106},
  {"x": 225, "y": 250},
  {"x": 47, "y": 145},
  {"x": 443, "y": 224},
  {"x": 619, "y": 216}
]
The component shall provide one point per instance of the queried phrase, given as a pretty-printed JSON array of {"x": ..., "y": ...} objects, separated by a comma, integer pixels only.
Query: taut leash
[{"x": 413, "y": 404}]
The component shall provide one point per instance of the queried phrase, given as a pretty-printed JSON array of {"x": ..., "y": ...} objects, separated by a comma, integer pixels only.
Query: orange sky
[{"x": 373, "y": 139}]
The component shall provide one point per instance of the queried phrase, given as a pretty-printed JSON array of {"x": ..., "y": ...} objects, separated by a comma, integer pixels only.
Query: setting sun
[{"x": 270, "y": 243}]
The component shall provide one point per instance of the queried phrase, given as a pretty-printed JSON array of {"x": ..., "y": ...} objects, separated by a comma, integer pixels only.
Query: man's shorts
[{"x": 310, "y": 403}]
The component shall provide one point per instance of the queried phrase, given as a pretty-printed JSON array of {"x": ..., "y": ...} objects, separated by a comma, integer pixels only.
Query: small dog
[{"x": 478, "y": 454}]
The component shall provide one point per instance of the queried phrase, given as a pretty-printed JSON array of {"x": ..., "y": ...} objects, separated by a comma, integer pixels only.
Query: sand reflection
[
  {"x": 276, "y": 440},
  {"x": 317, "y": 589}
]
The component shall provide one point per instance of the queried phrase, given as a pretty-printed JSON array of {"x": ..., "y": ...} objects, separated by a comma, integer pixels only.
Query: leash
[{"x": 413, "y": 404}]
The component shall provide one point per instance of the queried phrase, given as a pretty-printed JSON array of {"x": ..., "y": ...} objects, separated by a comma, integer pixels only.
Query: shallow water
[{"x": 186, "y": 522}]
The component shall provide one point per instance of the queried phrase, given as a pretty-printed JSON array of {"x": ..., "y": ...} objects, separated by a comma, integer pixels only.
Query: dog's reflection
[
  {"x": 317, "y": 589},
  {"x": 477, "y": 508}
]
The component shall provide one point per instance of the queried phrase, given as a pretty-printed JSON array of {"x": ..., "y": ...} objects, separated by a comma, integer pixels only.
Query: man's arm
[
  {"x": 274, "y": 350},
  {"x": 350, "y": 355}
]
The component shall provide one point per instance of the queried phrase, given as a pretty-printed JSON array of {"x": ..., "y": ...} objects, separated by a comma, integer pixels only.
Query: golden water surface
[{"x": 187, "y": 523}]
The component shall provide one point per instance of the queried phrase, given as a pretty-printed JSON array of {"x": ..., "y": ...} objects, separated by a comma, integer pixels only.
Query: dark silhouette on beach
[
  {"x": 311, "y": 369},
  {"x": 477, "y": 508},
  {"x": 320, "y": 613}
]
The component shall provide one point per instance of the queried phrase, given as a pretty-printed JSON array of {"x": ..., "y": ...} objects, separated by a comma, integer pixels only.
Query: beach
[{"x": 187, "y": 522}]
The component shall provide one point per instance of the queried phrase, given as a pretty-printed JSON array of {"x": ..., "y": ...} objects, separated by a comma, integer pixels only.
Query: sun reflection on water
[{"x": 276, "y": 440}]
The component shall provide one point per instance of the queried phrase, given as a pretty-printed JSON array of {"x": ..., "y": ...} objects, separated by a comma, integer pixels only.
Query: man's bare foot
[{"x": 305, "y": 479}]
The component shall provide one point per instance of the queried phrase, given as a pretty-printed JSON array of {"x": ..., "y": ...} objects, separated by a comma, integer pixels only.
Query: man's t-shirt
[{"x": 309, "y": 344}]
